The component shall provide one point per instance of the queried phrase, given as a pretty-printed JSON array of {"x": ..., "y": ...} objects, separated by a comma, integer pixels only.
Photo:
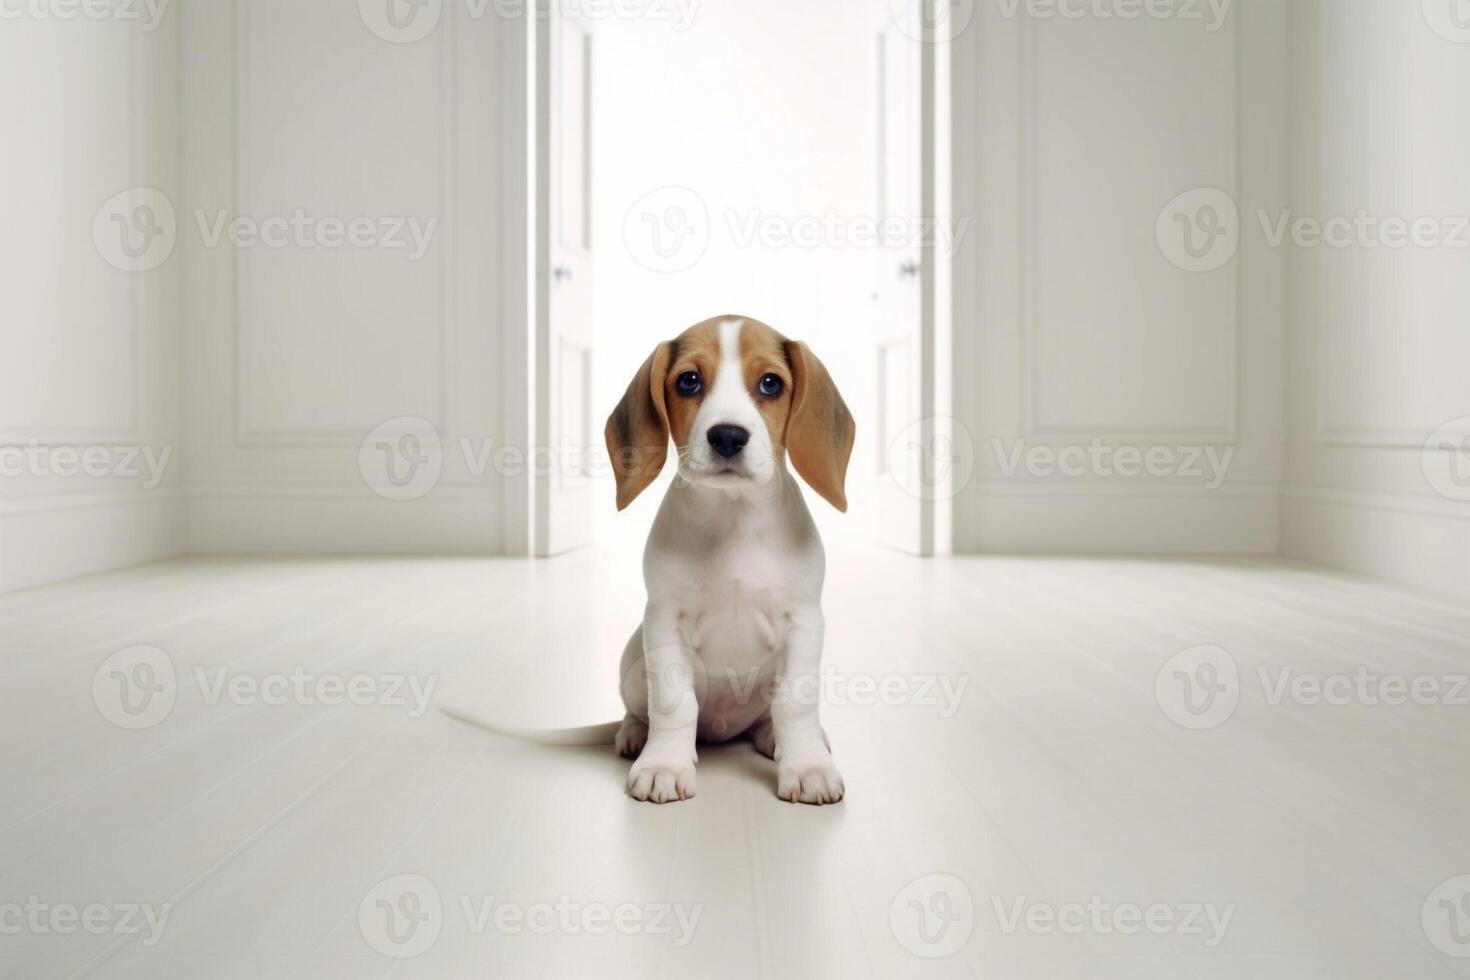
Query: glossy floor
[{"x": 1055, "y": 768}]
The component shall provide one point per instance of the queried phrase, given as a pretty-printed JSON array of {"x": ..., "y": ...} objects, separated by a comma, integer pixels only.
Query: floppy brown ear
[
  {"x": 820, "y": 431},
  {"x": 638, "y": 429}
]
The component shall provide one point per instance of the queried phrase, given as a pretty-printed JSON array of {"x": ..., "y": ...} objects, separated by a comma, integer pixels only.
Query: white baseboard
[
  {"x": 1119, "y": 520},
  {"x": 1420, "y": 542},
  {"x": 48, "y": 538},
  {"x": 286, "y": 520},
  {"x": 1417, "y": 541}
]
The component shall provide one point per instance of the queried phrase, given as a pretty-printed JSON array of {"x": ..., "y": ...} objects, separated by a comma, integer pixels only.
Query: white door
[
  {"x": 564, "y": 269},
  {"x": 904, "y": 272}
]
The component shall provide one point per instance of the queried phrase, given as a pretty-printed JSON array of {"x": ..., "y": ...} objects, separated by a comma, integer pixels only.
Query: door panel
[
  {"x": 904, "y": 267},
  {"x": 564, "y": 320},
  {"x": 574, "y": 373},
  {"x": 572, "y": 136}
]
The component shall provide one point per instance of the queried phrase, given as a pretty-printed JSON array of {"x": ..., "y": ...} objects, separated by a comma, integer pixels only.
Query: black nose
[{"x": 728, "y": 440}]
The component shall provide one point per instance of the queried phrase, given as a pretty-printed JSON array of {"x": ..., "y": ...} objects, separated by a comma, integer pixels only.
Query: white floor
[{"x": 1324, "y": 831}]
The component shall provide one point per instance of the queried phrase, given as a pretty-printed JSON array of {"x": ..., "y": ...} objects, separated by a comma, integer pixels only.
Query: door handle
[
  {"x": 561, "y": 273},
  {"x": 908, "y": 270}
]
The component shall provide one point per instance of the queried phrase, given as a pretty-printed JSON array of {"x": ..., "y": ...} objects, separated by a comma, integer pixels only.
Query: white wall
[
  {"x": 88, "y": 348},
  {"x": 295, "y": 354},
  {"x": 1380, "y": 345},
  {"x": 1074, "y": 324},
  {"x": 759, "y": 110},
  {"x": 259, "y": 371}
]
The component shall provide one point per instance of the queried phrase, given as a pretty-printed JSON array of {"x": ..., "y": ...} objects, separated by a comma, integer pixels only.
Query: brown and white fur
[{"x": 734, "y": 566}]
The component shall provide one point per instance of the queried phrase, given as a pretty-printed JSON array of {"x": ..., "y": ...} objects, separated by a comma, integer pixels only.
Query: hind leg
[
  {"x": 763, "y": 736},
  {"x": 632, "y": 736}
]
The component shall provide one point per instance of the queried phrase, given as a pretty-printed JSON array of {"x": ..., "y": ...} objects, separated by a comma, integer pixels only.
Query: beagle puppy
[{"x": 731, "y": 639}]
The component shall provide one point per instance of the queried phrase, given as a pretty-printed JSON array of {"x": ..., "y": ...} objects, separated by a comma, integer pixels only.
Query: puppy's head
[{"x": 736, "y": 398}]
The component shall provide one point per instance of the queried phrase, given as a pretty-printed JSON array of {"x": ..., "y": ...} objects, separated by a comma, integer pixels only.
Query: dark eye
[
  {"x": 771, "y": 386},
  {"x": 688, "y": 383}
]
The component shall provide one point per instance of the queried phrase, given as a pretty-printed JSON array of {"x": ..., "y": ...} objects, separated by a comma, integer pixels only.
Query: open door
[
  {"x": 909, "y": 474},
  {"x": 561, "y": 475}
]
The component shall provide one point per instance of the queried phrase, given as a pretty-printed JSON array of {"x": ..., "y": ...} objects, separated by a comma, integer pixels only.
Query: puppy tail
[{"x": 585, "y": 735}]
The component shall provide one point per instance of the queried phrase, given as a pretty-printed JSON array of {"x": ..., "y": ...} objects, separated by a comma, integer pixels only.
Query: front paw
[
  {"x": 811, "y": 780},
  {"x": 661, "y": 780}
]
